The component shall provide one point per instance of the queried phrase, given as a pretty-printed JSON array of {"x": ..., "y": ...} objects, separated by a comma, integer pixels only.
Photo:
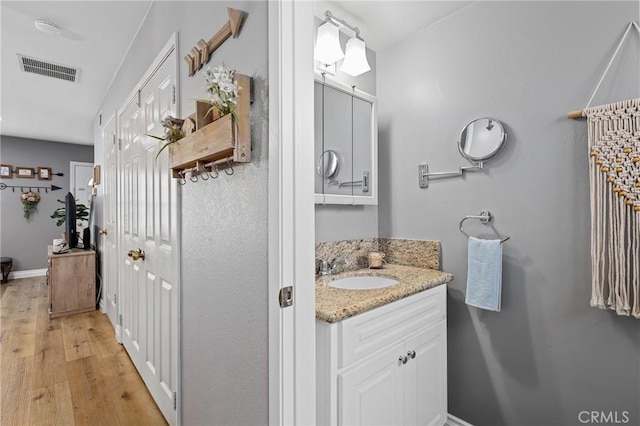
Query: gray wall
[
  {"x": 224, "y": 224},
  {"x": 338, "y": 222},
  {"x": 547, "y": 355},
  {"x": 26, "y": 242}
]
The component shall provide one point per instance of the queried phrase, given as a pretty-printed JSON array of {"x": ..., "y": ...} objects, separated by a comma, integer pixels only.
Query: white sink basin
[{"x": 362, "y": 283}]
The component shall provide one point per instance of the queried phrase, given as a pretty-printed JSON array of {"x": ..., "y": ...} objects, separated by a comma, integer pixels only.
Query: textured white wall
[
  {"x": 547, "y": 355},
  {"x": 224, "y": 223}
]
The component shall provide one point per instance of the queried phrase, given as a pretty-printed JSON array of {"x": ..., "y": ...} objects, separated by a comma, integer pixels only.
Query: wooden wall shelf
[{"x": 225, "y": 138}]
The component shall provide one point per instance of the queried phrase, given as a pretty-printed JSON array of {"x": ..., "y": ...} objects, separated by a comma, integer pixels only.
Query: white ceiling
[
  {"x": 385, "y": 23},
  {"x": 95, "y": 39}
]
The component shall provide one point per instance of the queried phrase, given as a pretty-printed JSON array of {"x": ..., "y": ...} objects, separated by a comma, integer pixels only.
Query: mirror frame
[
  {"x": 501, "y": 143},
  {"x": 372, "y": 196},
  {"x": 335, "y": 161}
]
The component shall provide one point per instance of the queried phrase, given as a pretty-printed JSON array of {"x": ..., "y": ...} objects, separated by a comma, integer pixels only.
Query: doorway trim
[{"x": 292, "y": 393}]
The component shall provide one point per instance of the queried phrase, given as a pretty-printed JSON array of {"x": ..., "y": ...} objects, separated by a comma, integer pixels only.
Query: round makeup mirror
[
  {"x": 328, "y": 164},
  {"x": 482, "y": 139}
]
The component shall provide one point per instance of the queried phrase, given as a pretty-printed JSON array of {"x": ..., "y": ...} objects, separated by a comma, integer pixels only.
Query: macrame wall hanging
[{"x": 614, "y": 170}]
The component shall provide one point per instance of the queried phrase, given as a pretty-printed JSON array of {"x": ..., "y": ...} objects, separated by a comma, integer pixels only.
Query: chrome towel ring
[{"x": 485, "y": 217}]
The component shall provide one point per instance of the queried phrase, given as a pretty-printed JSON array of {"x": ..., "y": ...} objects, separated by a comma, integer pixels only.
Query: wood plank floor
[{"x": 65, "y": 371}]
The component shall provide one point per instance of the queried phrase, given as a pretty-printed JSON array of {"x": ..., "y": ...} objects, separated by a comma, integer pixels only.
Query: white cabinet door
[
  {"x": 318, "y": 128},
  {"x": 362, "y": 379},
  {"x": 426, "y": 377},
  {"x": 338, "y": 134},
  {"x": 372, "y": 393},
  {"x": 362, "y": 147},
  {"x": 345, "y": 123}
]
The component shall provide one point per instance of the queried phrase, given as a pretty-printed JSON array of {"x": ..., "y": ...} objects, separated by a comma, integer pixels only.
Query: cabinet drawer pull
[
  {"x": 411, "y": 354},
  {"x": 403, "y": 359}
]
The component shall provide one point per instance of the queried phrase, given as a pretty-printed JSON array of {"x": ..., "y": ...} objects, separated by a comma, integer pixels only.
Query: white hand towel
[{"x": 484, "y": 277}]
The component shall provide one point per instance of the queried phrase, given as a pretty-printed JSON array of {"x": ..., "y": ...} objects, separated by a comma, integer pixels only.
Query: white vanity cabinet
[
  {"x": 345, "y": 126},
  {"x": 385, "y": 366}
]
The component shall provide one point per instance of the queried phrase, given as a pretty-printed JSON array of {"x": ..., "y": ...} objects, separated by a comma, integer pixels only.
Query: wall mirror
[
  {"x": 345, "y": 146},
  {"x": 328, "y": 164},
  {"x": 482, "y": 139}
]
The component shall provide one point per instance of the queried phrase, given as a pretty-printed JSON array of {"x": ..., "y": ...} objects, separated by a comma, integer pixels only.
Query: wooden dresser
[{"x": 71, "y": 278}]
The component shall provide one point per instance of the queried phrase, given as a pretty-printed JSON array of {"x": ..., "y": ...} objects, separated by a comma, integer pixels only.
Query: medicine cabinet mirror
[{"x": 345, "y": 144}]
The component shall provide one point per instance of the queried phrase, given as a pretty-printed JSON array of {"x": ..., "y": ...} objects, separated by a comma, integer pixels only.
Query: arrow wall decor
[
  {"x": 198, "y": 57},
  {"x": 30, "y": 188}
]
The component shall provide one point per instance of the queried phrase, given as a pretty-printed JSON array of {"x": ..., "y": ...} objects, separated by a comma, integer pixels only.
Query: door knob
[
  {"x": 403, "y": 359},
  {"x": 136, "y": 254},
  {"x": 411, "y": 354},
  {"x": 102, "y": 232}
]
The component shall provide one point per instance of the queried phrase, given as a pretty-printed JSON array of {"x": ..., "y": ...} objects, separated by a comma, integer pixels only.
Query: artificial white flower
[{"x": 223, "y": 91}]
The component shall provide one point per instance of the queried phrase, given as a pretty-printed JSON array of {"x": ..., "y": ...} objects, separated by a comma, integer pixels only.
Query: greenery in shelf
[{"x": 172, "y": 132}]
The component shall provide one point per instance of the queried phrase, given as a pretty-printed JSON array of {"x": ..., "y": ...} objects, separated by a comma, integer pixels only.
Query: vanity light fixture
[
  {"x": 328, "y": 49},
  {"x": 355, "y": 60}
]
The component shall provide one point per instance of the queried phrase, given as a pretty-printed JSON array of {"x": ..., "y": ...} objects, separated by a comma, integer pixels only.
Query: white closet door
[
  {"x": 149, "y": 221},
  {"x": 109, "y": 237}
]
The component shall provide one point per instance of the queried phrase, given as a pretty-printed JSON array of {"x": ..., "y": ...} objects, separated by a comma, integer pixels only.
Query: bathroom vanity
[{"x": 381, "y": 354}]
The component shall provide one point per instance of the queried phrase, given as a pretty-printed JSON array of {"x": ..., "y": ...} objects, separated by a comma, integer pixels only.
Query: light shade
[
  {"x": 355, "y": 61},
  {"x": 328, "y": 49}
]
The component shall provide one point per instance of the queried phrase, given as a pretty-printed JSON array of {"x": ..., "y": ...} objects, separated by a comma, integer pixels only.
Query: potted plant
[{"x": 82, "y": 213}]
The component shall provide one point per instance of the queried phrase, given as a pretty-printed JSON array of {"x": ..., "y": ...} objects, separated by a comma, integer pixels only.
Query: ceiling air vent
[{"x": 48, "y": 69}]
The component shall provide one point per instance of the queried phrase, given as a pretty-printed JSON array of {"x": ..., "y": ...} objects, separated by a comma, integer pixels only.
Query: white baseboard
[
  {"x": 14, "y": 275},
  {"x": 118, "y": 333},
  {"x": 455, "y": 421}
]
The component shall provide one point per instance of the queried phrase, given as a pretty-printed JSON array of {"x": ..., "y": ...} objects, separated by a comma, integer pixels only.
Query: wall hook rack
[
  {"x": 30, "y": 188},
  {"x": 227, "y": 137},
  {"x": 206, "y": 171}
]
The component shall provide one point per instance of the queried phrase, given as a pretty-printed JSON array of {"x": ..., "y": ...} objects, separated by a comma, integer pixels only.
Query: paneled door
[
  {"x": 108, "y": 235},
  {"x": 149, "y": 254}
]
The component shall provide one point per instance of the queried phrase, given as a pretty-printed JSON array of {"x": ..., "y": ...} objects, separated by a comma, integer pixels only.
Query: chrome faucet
[{"x": 325, "y": 268}]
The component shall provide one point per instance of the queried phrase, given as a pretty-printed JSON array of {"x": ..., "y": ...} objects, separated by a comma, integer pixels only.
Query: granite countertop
[{"x": 335, "y": 304}]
